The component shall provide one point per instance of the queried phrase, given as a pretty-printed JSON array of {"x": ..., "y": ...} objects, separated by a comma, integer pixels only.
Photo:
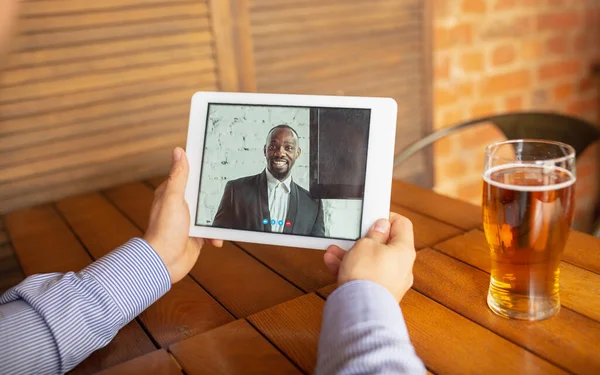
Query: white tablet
[{"x": 291, "y": 170}]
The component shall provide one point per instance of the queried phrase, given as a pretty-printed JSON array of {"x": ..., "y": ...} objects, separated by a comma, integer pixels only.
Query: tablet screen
[{"x": 282, "y": 169}]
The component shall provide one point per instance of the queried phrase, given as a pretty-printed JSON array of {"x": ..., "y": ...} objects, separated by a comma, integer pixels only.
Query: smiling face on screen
[{"x": 281, "y": 151}]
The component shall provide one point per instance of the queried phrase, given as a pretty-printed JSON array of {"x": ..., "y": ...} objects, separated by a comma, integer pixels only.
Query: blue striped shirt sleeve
[
  {"x": 363, "y": 332},
  {"x": 49, "y": 323}
]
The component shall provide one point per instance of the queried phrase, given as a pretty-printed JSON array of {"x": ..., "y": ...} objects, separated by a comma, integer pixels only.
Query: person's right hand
[{"x": 385, "y": 256}]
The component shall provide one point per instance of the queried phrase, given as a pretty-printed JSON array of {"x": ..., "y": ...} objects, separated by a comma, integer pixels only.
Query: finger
[
  {"x": 160, "y": 190},
  {"x": 380, "y": 231},
  {"x": 336, "y": 251},
  {"x": 179, "y": 172},
  {"x": 217, "y": 243},
  {"x": 401, "y": 232},
  {"x": 333, "y": 259}
]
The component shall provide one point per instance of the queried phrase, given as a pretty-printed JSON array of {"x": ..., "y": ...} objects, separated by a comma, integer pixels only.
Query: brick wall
[
  {"x": 495, "y": 56},
  {"x": 234, "y": 148}
]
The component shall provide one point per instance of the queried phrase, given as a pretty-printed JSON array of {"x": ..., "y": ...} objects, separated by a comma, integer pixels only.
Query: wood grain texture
[
  {"x": 294, "y": 328},
  {"x": 106, "y": 50},
  {"x": 301, "y": 47},
  {"x": 467, "y": 347},
  {"x": 222, "y": 28},
  {"x": 434, "y": 328},
  {"x": 583, "y": 250},
  {"x": 158, "y": 362},
  {"x": 135, "y": 200},
  {"x": 142, "y": 13},
  {"x": 235, "y": 348},
  {"x": 86, "y": 178},
  {"x": 244, "y": 45},
  {"x": 156, "y": 181},
  {"x": 3, "y": 237},
  {"x": 242, "y": 284},
  {"x": 45, "y": 9},
  {"x": 10, "y": 269},
  {"x": 59, "y": 252},
  {"x": 578, "y": 288},
  {"x": 131, "y": 342},
  {"x": 44, "y": 243},
  {"x": 95, "y": 107},
  {"x": 166, "y": 113},
  {"x": 567, "y": 340},
  {"x": 184, "y": 311},
  {"x": 239, "y": 282},
  {"x": 424, "y": 201},
  {"x": 327, "y": 290},
  {"x": 81, "y": 74},
  {"x": 304, "y": 268},
  {"x": 427, "y": 231}
]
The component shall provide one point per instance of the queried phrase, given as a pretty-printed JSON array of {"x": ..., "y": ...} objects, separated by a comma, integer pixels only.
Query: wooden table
[{"x": 255, "y": 309}]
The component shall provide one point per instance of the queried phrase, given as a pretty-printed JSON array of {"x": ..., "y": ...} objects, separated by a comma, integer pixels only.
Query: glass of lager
[{"x": 528, "y": 199}]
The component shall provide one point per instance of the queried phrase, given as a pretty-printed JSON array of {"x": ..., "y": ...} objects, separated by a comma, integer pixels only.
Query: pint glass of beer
[{"x": 528, "y": 199}]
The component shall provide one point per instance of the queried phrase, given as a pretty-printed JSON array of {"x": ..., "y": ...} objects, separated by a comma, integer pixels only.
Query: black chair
[{"x": 523, "y": 125}]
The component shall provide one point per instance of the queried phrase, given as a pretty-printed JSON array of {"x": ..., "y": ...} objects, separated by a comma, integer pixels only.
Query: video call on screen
[{"x": 281, "y": 169}]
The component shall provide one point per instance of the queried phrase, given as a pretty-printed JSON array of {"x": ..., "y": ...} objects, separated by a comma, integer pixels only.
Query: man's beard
[{"x": 278, "y": 173}]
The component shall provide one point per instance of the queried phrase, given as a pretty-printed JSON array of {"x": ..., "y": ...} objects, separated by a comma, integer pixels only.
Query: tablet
[{"x": 291, "y": 170}]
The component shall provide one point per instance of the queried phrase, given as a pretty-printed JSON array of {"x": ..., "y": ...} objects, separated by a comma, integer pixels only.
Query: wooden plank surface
[
  {"x": 569, "y": 340},
  {"x": 44, "y": 243},
  {"x": 239, "y": 282},
  {"x": 235, "y": 348},
  {"x": 135, "y": 200},
  {"x": 427, "y": 231},
  {"x": 10, "y": 269},
  {"x": 426, "y": 202},
  {"x": 243, "y": 285},
  {"x": 294, "y": 328},
  {"x": 304, "y": 268},
  {"x": 131, "y": 342},
  {"x": 184, "y": 311},
  {"x": 583, "y": 250},
  {"x": 467, "y": 346},
  {"x": 156, "y": 181},
  {"x": 158, "y": 362},
  {"x": 578, "y": 287}
]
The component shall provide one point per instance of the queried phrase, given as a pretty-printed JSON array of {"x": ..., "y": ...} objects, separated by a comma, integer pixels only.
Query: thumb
[
  {"x": 380, "y": 231},
  {"x": 179, "y": 172}
]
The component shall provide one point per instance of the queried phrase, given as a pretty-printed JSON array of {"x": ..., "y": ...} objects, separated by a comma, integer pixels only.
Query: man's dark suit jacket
[{"x": 245, "y": 204}]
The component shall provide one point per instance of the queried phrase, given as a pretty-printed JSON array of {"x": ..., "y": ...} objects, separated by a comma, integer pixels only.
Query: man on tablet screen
[{"x": 271, "y": 201}]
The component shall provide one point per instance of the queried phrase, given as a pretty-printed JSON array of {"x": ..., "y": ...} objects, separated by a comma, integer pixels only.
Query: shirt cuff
[
  {"x": 133, "y": 275},
  {"x": 360, "y": 301}
]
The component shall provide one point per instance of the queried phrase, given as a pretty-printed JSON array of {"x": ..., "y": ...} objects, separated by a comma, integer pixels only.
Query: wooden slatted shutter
[{"x": 97, "y": 93}]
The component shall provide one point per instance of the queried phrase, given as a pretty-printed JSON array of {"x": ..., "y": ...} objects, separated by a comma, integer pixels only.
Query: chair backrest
[{"x": 521, "y": 125}]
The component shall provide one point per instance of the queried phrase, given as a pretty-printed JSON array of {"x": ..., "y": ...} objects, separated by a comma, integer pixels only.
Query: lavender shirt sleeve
[
  {"x": 49, "y": 323},
  {"x": 363, "y": 332}
]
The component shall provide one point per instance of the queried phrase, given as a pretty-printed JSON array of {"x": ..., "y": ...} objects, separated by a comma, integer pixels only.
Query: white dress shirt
[{"x": 279, "y": 194}]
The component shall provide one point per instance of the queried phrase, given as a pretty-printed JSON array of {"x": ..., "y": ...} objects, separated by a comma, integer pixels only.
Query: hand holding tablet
[{"x": 293, "y": 170}]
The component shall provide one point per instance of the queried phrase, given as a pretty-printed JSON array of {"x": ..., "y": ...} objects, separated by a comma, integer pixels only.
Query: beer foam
[{"x": 546, "y": 168}]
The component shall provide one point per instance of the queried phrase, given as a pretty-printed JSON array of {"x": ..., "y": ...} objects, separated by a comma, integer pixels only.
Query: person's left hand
[{"x": 169, "y": 223}]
